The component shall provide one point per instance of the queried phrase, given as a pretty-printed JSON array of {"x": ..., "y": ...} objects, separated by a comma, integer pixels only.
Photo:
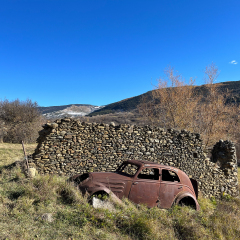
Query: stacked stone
[
  {"x": 69, "y": 147},
  {"x": 224, "y": 155}
]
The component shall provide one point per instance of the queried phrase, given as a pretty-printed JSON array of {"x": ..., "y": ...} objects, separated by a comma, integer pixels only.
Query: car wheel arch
[
  {"x": 185, "y": 198},
  {"x": 107, "y": 192}
]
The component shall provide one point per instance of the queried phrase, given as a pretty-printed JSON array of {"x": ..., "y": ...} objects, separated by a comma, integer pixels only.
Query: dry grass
[
  {"x": 23, "y": 202},
  {"x": 10, "y": 152}
]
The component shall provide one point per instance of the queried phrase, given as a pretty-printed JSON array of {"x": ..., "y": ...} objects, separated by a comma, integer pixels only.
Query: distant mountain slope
[
  {"x": 125, "y": 105},
  {"x": 130, "y": 104},
  {"x": 58, "y": 108},
  {"x": 71, "y": 110},
  {"x": 233, "y": 87}
]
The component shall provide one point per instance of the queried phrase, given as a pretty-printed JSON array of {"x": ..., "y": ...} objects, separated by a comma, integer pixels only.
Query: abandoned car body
[{"x": 142, "y": 182}]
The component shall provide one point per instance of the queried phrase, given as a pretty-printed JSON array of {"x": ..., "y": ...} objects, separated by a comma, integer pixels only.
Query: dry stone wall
[{"x": 68, "y": 147}]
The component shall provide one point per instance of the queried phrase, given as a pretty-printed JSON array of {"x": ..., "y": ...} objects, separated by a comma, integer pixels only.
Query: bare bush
[
  {"x": 181, "y": 105},
  {"x": 214, "y": 118},
  {"x": 22, "y": 120},
  {"x": 173, "y": 102}
]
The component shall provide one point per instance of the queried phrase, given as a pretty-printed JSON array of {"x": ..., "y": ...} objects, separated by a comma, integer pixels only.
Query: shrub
[{"x": 22, "y": 120}]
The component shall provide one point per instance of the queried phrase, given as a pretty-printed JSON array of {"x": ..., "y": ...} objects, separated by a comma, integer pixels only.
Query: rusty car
[{"x": 142, "y": 182}]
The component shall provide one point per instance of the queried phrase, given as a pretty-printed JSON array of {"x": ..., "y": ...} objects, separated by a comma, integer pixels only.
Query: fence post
[{"x": 25, "y": 155}]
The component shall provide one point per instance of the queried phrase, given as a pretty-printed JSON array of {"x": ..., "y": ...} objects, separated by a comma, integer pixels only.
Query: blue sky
[{"x": 97, "y": 52}]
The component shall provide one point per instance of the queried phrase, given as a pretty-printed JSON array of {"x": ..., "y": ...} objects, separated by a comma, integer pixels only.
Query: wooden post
[{"x": 25, "y": 155}]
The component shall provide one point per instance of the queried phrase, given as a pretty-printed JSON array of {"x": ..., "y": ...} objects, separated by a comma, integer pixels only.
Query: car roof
[
  {"x": 152, "y": 164},
  {"x": 183, "y": 176}
]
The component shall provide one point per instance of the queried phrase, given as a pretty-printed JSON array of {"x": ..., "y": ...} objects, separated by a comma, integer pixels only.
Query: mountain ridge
[{"x": 128, "y": 104}]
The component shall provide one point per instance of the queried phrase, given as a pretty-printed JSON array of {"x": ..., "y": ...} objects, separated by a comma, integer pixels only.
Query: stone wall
[{"x": 69, "y": 147}]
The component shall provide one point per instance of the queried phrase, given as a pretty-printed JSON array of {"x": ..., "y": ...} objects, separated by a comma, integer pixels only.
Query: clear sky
[{"x": 59, "y": 52}]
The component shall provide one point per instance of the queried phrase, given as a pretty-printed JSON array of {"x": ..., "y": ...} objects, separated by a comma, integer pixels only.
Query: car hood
[
  {"x": 109, "y": 176},
  {"x": 116, "y": 182}
]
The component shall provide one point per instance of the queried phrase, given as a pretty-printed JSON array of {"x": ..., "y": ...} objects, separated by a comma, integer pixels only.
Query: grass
[
  {"x": 10, "y": 153},
  {"x": 24, "y": 202}
]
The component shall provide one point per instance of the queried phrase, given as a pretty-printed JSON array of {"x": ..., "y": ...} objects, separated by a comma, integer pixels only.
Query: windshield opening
[{"x": 128, "y": 169}]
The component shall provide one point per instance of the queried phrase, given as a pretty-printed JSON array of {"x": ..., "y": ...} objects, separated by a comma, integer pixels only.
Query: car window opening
[
  {"x": 170, "y": 176},
  {"x": 128, "y": 169},
  {"x": 149, "y": 173}
]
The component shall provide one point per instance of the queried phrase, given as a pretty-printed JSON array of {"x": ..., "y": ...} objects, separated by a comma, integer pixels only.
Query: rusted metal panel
[
  {"x": 146, "y": 192},
  {"x": 168, "y": 192}
]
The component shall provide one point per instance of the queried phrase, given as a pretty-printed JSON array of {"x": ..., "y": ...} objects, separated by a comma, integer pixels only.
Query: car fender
[
  {"x": 182, "y": 195},
  {"x": 113, "y": 197},
  {"x": 72, "y": 178}
]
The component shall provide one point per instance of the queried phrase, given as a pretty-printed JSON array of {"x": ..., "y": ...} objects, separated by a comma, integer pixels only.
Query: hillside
[
  {"x": 130, "y": 104},
  {"x": 126, "y": 105},
  {"x": 71, "y": 110}
]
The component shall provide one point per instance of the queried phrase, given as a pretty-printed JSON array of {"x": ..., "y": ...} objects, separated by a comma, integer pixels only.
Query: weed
[{"x": 226, "y": 197}]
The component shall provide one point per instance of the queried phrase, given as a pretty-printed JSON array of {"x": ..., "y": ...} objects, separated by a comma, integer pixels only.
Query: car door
[
  {"x": 170, "y": 186},
  {"x": 145, "y": 187}
]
